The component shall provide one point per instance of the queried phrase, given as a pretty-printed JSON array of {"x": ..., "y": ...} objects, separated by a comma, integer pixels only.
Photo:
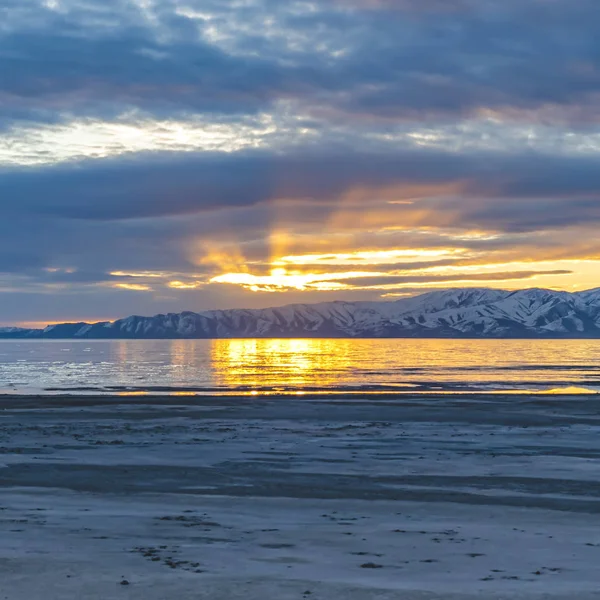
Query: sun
[{"x": 278, "y": 279}]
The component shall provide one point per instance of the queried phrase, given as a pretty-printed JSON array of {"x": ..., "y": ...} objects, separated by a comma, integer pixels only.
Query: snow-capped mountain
[{"x": 470, "y": 312}]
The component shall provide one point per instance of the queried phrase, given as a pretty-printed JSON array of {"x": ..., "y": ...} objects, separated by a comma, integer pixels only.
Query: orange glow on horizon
[{"x": 44, "y": 324}]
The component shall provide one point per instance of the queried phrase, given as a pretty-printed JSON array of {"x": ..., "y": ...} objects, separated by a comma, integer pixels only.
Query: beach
[{"x": 421, "y": 497}]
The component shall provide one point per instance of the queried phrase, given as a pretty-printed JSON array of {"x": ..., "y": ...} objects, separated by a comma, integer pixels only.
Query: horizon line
[{"x": 40, "y": 325}]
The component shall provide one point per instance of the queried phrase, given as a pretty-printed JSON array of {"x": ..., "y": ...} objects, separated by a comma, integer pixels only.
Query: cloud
[
  {"x": 175, "y": 142},
  {"x": 510, "y": 193},
  {"x": 399, "y": 281},
  {"x": 280, "y": 279},
  {"x": 405, "y": 60},
  {"x": 41, "y": 144},
  {"x": 410, "y": 5},
  {"x": 112, "y": 75},
  {"x": 51, "y": 144}
]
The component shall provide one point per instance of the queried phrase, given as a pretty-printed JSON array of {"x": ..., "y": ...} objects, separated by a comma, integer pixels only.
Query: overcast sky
[{"x": 168, "y": 155}]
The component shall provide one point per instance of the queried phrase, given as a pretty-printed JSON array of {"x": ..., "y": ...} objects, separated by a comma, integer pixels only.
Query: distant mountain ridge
[{"x": 451, "y": 313}]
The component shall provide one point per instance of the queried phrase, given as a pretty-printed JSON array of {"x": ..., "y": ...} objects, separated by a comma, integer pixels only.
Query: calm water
[{"x": 229, "y": 366}]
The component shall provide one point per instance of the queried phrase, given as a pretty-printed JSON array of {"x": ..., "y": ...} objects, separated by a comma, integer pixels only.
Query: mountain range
[{"x": 452, "y": 313}]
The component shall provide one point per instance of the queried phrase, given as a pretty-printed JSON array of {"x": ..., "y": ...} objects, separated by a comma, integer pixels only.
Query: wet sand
[{"x": 415, "y": 498}]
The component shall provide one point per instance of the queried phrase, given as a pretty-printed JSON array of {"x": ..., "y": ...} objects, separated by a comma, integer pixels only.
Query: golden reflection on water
[
  {"x": 571, "y": 390},
  {"x": 280, "y": 362},
  {"x": 298, "y": 366},
  {"x": 552, "y": 367},
  {"x": 301, "y": 366}
]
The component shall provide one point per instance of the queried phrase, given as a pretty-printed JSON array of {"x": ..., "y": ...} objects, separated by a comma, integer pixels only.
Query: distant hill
[{"x": 469, "y": 312}]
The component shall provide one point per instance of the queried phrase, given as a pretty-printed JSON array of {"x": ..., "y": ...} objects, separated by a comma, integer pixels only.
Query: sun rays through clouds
[{"x": 158, "y": 156}]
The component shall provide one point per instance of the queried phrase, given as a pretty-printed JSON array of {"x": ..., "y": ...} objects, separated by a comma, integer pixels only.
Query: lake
[{"x": 299, "y": 365}]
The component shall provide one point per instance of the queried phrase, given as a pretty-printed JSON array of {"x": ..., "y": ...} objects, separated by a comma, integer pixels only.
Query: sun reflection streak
[{"x": 297, "y": 362}]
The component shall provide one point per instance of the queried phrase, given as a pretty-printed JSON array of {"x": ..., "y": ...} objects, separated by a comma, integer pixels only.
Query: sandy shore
[{"x": 419, "y": 498}]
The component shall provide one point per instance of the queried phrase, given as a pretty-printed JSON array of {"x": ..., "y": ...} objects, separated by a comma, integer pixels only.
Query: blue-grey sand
[{"x": 361, "y": 497}]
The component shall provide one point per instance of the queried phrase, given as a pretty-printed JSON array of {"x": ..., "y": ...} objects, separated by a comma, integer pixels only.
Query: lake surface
[{"x": 303, "y": 365}]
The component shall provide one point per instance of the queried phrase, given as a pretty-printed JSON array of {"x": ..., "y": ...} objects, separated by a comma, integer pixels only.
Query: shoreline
[
  {"x": 419, "y": 498},
  {"x": 195, "y": 396}
]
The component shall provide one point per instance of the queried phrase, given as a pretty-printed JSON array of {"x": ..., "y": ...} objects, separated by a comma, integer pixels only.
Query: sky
[{"x": 169, "y": 155}]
